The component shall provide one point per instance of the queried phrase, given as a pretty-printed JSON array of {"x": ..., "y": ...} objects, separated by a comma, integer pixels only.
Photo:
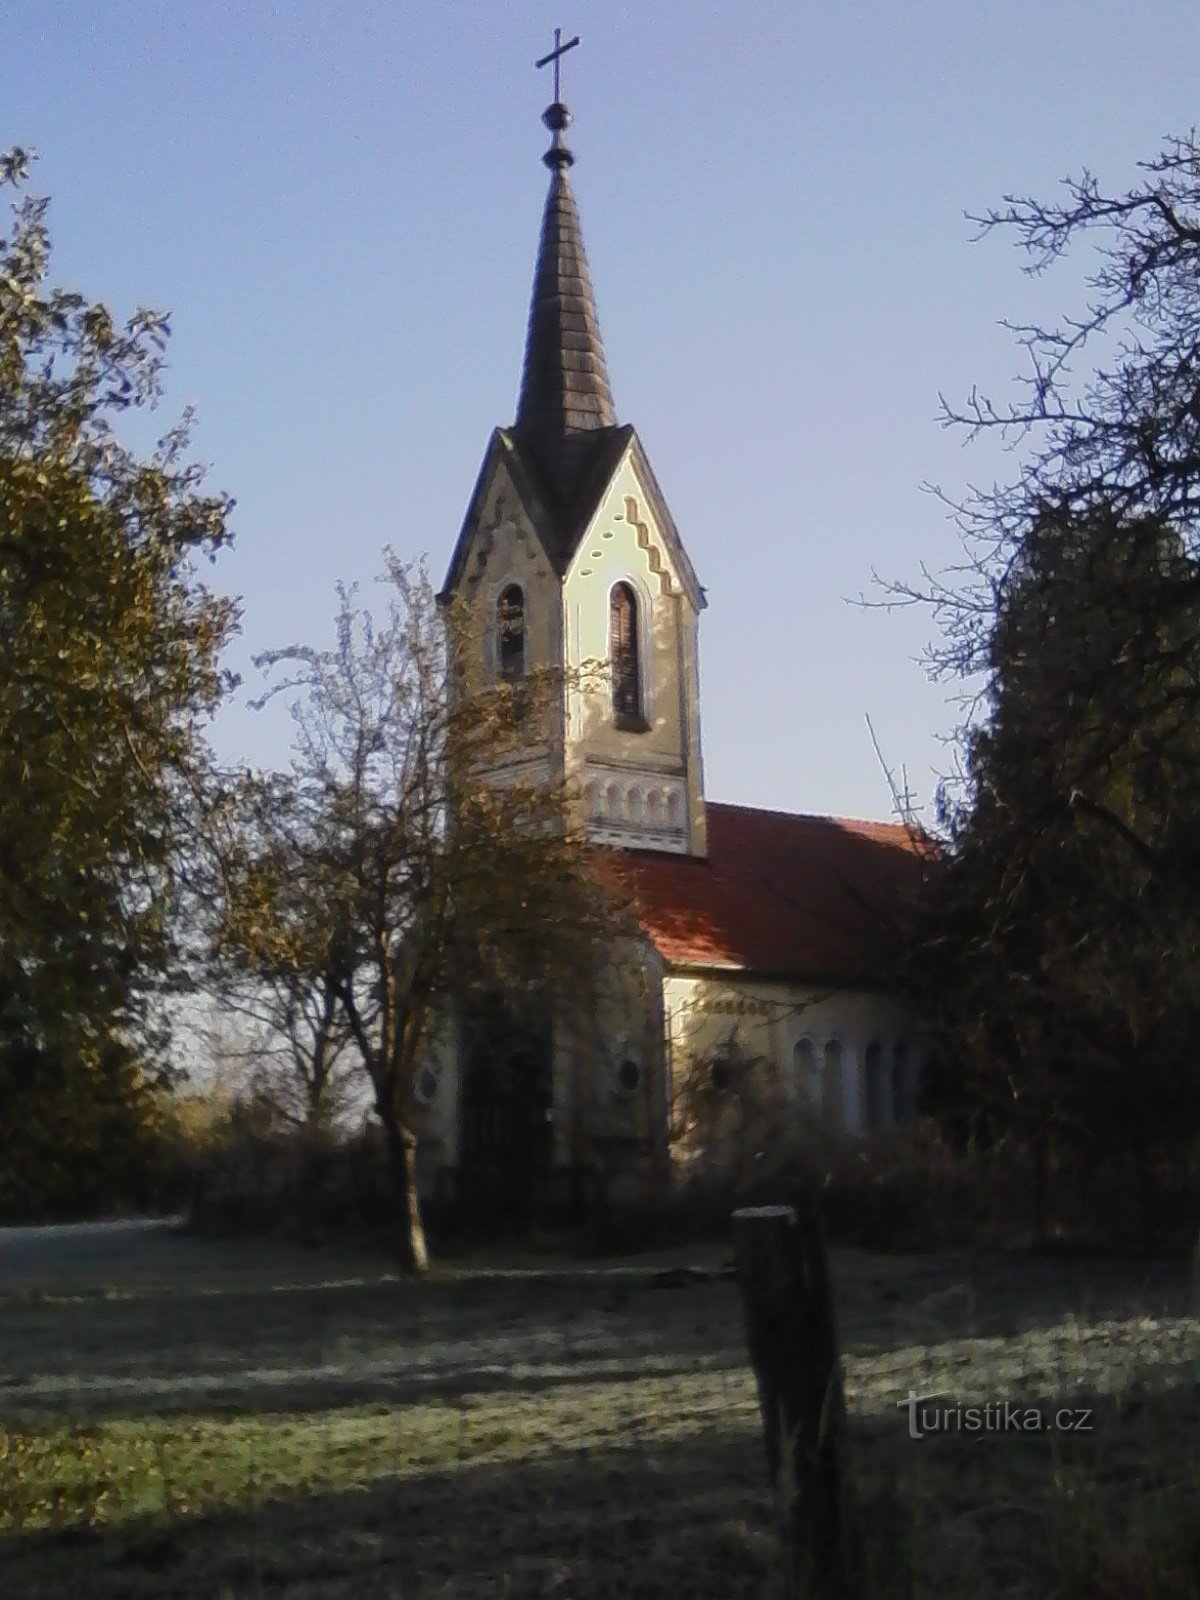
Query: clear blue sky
[{"x": 339, "y": 204}]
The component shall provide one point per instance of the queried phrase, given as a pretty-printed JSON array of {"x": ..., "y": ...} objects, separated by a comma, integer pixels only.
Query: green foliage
[
  {"x": 109, "y": 652},
  {"x": 78, "y": 1133}
]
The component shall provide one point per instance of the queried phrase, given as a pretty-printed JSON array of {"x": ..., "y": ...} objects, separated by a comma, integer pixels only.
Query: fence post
[{"x": 786, "y": 1294}]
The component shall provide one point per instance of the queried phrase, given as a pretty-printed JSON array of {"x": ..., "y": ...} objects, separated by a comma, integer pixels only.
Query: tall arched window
[
  {"x": 874, "y": 1086},
  {"x": 831, "y": 1086},
  {"x": 807, "y": 1075},
  {"x": 623, "y": 652},
  {"x": 510, "y": 631},
  {"x": 901, "y": 1083}
]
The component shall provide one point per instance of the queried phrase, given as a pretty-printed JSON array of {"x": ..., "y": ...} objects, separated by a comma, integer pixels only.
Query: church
[{"x": 760, "y": 931}]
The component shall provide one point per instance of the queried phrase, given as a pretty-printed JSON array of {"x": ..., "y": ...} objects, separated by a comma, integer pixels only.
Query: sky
[{"x": 339, "y": 205}]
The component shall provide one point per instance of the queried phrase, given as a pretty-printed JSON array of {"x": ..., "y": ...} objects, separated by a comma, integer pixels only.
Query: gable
[
  {"x": 631, "y": 531},
  {"x": 665, "y": 522},
  {"x": 562, "y": 517},
  {"x": 500, "y": 529}
]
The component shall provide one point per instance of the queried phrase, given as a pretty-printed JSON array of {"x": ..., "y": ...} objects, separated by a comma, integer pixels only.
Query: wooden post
[{"x": 793, "y": 1349}]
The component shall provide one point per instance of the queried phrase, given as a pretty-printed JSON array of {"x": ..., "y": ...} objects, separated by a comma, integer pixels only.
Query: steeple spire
[{"x": 564, "y": 382}]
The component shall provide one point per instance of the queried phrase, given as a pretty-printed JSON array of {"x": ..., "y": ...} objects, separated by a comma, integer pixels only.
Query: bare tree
[
  {"x": 279, "y": 979},
  {"x": 1104, "y": 455},
  {"x": 407, "y": 872}
]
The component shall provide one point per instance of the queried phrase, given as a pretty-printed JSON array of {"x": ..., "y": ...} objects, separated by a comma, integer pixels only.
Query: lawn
[{"x": 185, "y": 1418}]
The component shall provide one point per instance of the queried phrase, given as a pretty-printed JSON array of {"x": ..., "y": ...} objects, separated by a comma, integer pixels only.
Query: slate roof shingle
[
  {"x": 565, "y": 392},
  {"x": 566, "y": 444}
]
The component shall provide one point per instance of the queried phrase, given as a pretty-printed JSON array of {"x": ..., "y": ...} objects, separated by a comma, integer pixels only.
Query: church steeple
[
  {"x": 565, "y": 394},
  {"x": 568, "y": 532}
]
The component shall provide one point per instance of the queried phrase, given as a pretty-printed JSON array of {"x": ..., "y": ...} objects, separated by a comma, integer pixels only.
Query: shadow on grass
[
  {"x": 689, "y": 1520},
  {"x": 354, "y": 1345},
  {"x": 1105, "y": 1509},
  {"x": 886, "y": 1302},
  {"x": 1109, "y": 1512},
  {"x": 250, "y": 1396}
]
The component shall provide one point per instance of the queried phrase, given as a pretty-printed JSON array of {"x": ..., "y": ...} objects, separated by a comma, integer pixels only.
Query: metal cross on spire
[{"x": 556, "y": 56}]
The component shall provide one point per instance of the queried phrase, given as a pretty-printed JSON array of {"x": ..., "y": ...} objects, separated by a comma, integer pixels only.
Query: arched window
[
  {"x": 831, "y": 1086},
  {"x": 623, "y": 652},
  {"x": 807, "y": 1075},
  {"x": 725, "y": 1068},
  {"x": 628, "y": 1076},
  {"x": 510, "y": 631},
  {"x": 902, "y": 1097},
  {"x": 874, "y": 1088}
]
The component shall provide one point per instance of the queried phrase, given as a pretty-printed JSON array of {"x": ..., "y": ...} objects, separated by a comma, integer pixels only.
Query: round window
[
  {"x": 427, "y": 1085},
  {"x": 629, "y": 1075}
]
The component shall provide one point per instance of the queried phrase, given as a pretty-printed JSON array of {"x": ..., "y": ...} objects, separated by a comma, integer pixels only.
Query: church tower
[
  {"x": 763, "y": 936},
  {"x": 568, "y": 558}
]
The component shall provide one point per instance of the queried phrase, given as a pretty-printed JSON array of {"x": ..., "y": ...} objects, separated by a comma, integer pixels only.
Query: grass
[{"x": 184, "y": 1418}]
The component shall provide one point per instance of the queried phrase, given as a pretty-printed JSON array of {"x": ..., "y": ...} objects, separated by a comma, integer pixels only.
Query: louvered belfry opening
[
  {"x": 510, "y": 628},
  {"x": 623, "y": 651}
]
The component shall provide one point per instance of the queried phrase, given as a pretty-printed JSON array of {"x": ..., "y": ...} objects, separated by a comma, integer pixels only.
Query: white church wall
[
  {"x": 602, "y": 1117},
  {"x": 436, "y": 1089},
  {"x": 775, "y": 1022},
  {"x": 642, "y": 786},
  {"x": 615, "y": 1057},
  {"x": 504, "y": 551}
]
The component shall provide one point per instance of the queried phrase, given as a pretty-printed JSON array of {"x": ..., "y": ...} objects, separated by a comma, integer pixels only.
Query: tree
[
  {"x": 402, "y": 870},
  {"x": 1118, "y": 453},
  {"x": 109, "y": 666},
  {"x": 281, "y": 1024},
  {"x": 1058, "y": 957},
  {"x": 1053, "y": 923},
  {"x": 283, "y": 990}
]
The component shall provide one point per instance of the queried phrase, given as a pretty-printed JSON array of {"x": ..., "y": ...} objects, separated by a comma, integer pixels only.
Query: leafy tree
[
  {"x": 109, "y": 664},
  {"x": 1059, "y": 951},
  {"x": 400, "y": 871}
]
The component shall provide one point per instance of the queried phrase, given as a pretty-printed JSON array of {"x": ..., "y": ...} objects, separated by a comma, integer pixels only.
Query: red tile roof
[{"x": 779, "y": 895}]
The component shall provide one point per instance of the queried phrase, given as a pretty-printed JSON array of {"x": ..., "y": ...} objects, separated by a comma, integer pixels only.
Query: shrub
[{"x": 78, "y": 1133}]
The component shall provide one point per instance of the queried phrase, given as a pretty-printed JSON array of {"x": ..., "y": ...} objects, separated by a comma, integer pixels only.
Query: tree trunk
[
  {"x": 1040, "y": 1190},
  {"x": 793, "y": 1348},
  {"x": 410, "y": 1230},
  {"x": 1147, "y": 1209}
]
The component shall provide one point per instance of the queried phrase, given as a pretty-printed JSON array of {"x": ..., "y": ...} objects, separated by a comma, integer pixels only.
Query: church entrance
[{"x": 507, "y": 1133}]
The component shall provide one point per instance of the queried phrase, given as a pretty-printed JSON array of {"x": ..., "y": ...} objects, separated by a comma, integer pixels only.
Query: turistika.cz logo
[{"x": 996, "y": 1416}]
